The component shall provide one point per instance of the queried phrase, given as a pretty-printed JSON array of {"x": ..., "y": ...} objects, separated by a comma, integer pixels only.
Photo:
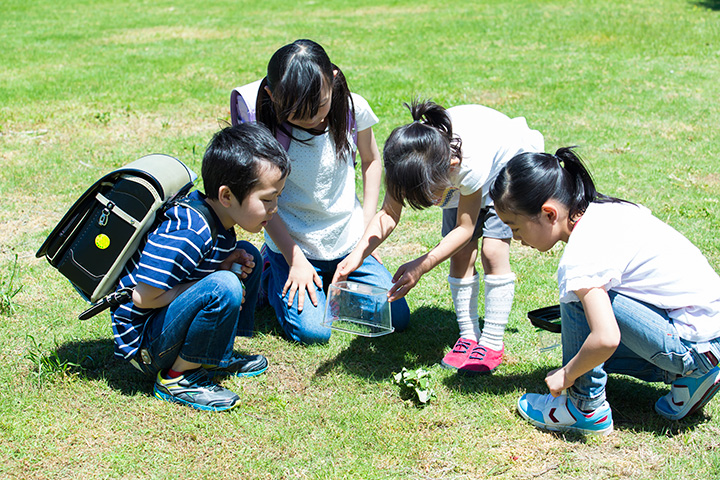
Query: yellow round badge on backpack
[{"x": 102, "y": 241}]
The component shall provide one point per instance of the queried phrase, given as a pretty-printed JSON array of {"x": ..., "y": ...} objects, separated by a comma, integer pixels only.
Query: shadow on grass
[
  {"x": 431, "y": 332},
  {"x": 633, "y": 405},
  {"x": 95, "y": 360},
  {"x": 709, "y": 4},
  {"x": 632, "y": 401},
  {"x": 423, "y": 344},
  {"x": 266, "y": 322}
]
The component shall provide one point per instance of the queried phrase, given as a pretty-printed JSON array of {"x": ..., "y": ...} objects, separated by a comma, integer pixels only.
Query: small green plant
[
  {"x": 417, "y": 381},
  {"x": 47, "y": 364},
  {"x": 8, "y": 290},
  {"x": 103, "y": 118}
]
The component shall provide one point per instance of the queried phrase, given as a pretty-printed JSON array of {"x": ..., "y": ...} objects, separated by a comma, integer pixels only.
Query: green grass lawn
[{"x": 87, "y": 86}]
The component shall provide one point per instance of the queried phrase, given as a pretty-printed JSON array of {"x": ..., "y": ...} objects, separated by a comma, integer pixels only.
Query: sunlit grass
[{"x": 88, "y": 86}]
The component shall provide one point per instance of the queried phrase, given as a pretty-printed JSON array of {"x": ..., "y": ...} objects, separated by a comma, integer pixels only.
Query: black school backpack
[{"x": 106, "y": 225}]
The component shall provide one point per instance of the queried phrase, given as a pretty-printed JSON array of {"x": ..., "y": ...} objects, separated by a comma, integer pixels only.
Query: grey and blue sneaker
[
  {"x": 240, "y": 366},
  {"x": 558, "y": 414},
  {"x": 195, "y": 389},
  {"x": 688, "y": 395}
]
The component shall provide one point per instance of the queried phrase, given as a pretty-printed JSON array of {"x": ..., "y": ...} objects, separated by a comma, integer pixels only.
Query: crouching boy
[{"x": 187, "y": 305}]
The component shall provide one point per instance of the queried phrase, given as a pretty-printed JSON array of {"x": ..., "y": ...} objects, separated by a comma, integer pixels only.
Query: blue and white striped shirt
[{"x": 179, "y": 250}]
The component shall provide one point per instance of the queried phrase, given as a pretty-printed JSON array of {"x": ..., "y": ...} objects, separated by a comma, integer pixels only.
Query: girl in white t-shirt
[
  {"x": 305, "y": 98},
  {"x": 449, "y": 158},
  {"x": 636, "y": 297}
]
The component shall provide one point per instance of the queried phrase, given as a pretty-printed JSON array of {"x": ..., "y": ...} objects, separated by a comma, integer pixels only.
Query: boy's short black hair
[{"x": 235, "y": 156}]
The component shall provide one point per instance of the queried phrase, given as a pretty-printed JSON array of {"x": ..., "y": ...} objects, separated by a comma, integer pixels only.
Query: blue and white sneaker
[
  {"x": 688, "y": 395},
  {"x": 240, "y": 366},
  {"x": 558, "y": 414},
  {"x": 195, "y": 390}
]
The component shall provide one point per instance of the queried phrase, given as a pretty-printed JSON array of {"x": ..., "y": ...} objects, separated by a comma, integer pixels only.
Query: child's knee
[
  {"x": 227, "y": 287},
  {"x": 305, "y": 327},
  {"x": 305, "y": 331},
  {"x": 313, "y": 336},
  {"x": 495, "y": 250}
]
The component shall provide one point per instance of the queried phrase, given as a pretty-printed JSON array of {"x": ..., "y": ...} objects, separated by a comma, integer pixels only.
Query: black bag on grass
[{"x": 106, "y": 225}]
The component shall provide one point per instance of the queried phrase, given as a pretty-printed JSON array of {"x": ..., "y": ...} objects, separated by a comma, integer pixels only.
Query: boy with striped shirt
[{"x": 194, "y": 293}]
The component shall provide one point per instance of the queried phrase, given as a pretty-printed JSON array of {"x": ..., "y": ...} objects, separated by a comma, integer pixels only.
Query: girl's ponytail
[
  {"x": 417, "y": 156},
  {"x": 530, "y": 179},
  {"x": 577, "y": 181},
  {"x": 433, "y": 115}
]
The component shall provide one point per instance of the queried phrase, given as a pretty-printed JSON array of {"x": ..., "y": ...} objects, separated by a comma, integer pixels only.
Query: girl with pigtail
[
  {"x": 449, "y": 158},
  {"x": 305, "y": 97},
  {"x": 636, "y": 297}
]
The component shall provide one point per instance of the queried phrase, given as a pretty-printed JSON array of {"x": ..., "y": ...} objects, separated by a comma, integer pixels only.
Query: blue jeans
[
  {"x": 650, "y": 349},
  {"x": 307, "y": 326},
  {"x": 200, "y": 325}
]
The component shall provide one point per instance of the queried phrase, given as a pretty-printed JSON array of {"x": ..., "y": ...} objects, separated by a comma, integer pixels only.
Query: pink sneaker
[
  {"x": 459, "y": 354},
  {"x": 481, "y": 361}
]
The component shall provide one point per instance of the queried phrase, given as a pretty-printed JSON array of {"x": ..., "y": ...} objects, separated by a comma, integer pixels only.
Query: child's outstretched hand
[
  {"x": 406, "y": 278},
  {"x": 348, "y": 265},
  {"x": 557, "y": 381}
]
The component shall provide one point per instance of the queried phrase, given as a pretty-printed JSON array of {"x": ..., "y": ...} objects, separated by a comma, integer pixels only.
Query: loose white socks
[
  {"x": 465, "y": 298},
  {"x": 499, "y": 293}
]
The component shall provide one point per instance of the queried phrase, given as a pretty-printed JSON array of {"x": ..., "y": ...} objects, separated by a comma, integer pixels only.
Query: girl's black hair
[
  {"x": 235, "y": 157},
  {"x": 417, "y": 156},
  {"x": 530, "y": 179},
  {"x": 296, "y": 75}
]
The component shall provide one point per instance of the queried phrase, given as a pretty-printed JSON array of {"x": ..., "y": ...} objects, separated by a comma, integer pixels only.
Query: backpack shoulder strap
[
  {"x": 203, "y": 209},
  {"x": 242, "y": 102},
  {"x": 242, "y": 109},
  {"x": 352, "y": 128}
]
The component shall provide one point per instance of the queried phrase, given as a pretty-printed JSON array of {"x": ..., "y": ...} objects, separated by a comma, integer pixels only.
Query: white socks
[
  {"x": 499, "y": 293},
  {"x": 465, "y": 299}
]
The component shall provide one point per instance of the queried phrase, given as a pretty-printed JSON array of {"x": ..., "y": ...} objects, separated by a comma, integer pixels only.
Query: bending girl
[
  {"x": 636, "y": 297},
  {"x": 320, "y": 219},
  {"x": 449, "y": 158}
]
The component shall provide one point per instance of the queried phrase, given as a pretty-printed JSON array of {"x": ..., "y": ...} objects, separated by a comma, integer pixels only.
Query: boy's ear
[{"x": 225, "y": 196}]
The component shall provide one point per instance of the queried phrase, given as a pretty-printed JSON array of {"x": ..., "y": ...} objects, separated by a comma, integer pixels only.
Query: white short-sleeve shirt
[
  {"x": 489, "y": 140},
  {"x": 624, "y": 248},
  {"x": 318, "y": 205}
]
